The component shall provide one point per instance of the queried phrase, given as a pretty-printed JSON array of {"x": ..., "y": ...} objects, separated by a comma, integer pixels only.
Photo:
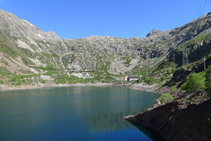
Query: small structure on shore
[{"x": 131, "y": 78}]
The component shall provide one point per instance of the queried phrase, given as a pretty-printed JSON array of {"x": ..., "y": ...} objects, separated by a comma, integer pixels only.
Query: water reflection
[
  {"x": 109, "y": 122},
  {"x": 69, "y": 112}
]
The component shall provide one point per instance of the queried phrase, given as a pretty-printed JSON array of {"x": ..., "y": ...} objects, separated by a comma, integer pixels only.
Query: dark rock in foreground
[{"x": 174, "y": 123}]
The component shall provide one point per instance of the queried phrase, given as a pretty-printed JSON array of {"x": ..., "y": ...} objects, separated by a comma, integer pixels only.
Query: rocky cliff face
[
  {"x": 25, "y": 49},
  {"x": 174, "y": 123}
]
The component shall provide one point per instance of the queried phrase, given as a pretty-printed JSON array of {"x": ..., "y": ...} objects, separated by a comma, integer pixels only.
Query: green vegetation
[
  {"x": 195, "y": 82},
  {"x": 147, "y": 80},
  {"x": 102, "y": 74},
  {"x": 150, "y": 80},
  {"x": 21, "y": 79},
  {"x": 165, "y": 98},
  {"x": 198, "y": 47},
  {"x": 197, "y": 40},
  {"x": 11, "y": 52},
  {"x": 174, "y": 90},
  {"x": 163, "y": 78},
  {"x": 63, "y": 79},
  {"x": 208, "y": 81},
  {"x": 127, "y": 62}
]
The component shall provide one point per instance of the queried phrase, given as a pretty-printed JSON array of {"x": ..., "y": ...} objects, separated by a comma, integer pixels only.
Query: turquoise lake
[{"x": 72, "y": 113}]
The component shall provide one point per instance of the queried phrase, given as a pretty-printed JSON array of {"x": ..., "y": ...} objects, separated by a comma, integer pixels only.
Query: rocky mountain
[{"x": 31, "y": 55}]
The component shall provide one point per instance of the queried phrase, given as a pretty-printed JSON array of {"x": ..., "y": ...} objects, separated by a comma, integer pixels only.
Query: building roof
[{"x": 133, "y": 76}]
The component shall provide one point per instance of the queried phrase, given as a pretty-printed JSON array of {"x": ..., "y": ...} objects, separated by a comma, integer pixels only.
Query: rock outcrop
[{"x": 174, "y": 123}]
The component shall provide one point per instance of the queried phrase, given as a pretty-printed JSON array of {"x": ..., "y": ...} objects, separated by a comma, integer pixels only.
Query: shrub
[
  {"x": 174, "y": 90},
  {"x": 169, "y": 72},
  {"x": 195, "y": 82},
  {"x": 50, "y": 73},
  {"x": 166, "y": 98},
  {"x": 150, "y": 80},
  {"x": 208, "y": 81},
  {"x": 184, "y": 86},
  {"x": 140, "y": 80},
  {"x": 163, "y": 78}
]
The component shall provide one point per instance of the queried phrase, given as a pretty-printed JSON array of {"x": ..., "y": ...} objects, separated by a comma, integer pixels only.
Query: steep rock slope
[
  {"x": 175, "y": 123},
  {"x": 22, "y": 41}
]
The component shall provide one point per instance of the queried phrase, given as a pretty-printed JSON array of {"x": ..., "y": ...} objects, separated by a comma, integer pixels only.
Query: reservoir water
[{"x": 72, "y": 113}]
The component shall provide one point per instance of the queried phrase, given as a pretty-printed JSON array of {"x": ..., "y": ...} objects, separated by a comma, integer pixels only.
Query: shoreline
[
  {"x": 144, "y": 87},
  {"x": 138, "y": 86},
  {"x": 40, "y": 86}
]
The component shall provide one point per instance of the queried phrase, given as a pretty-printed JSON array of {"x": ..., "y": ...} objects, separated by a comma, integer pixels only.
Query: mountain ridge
[{"x": 25, "y": 49}]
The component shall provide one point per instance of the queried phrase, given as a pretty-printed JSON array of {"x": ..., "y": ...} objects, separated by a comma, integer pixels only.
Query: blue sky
[{"x": 118, "y": 18}]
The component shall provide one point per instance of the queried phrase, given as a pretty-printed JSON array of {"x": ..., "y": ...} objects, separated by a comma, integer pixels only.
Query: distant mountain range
[{"x": 30, "y": 56}]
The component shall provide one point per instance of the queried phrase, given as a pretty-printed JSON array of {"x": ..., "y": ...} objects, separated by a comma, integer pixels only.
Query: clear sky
[{"x": 118, "y": 18}]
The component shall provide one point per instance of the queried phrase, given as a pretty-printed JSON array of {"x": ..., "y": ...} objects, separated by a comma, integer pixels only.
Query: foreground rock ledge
[{"x": 175, "y": 124}]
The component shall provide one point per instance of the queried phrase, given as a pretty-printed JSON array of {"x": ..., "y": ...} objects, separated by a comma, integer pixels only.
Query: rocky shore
[
  {"x": 144, "y": 87},
  {"x": 175, "y": 121},
  {"x": 138, "y": 86}
]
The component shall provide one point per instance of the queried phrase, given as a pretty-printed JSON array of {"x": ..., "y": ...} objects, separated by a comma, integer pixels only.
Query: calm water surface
[{"x": 73, "y": 113}]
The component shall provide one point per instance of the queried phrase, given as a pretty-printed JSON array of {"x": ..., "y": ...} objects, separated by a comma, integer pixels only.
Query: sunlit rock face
[{"x": 118, "y": 55}]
